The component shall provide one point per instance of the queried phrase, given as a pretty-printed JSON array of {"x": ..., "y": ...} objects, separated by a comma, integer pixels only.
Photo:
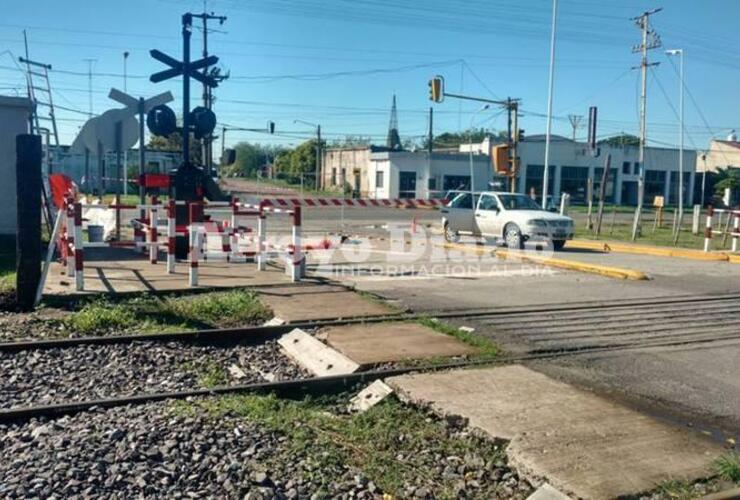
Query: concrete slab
[
  {"x": 315, "y": 356},
  {"x": 370, "y": 396},
  {"x": 385, "y": 342},
  {"x": 547, "y": 492},
  {"x": 319, "y": 302},
  {"x": 138, "y": 275},
  {"x": 582, "y": 444}
]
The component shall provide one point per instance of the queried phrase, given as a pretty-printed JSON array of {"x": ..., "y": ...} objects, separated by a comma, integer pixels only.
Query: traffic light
[
  {"x": 437, "y": 89},
  {"x": 519, "y": 135},
  {"x": 229, "y": 157},
  {"x": 271, "y": 127}
]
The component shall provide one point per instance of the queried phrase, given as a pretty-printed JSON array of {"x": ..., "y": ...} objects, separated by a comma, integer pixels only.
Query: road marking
[{"x": 611, "y": 272}]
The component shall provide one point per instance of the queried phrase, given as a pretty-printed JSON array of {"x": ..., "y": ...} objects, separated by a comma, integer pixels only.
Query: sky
[{"x": 338, "y": 63}]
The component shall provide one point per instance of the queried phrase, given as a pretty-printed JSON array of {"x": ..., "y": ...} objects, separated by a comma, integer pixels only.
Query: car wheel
[
  {"x": 450, "y": 235},
  {"x": 558, "y": 245},
  {"x": 513, "y": 237}
]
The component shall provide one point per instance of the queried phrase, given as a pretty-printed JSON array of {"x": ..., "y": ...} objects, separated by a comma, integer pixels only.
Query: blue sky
[{"x": 339, "y": 62}]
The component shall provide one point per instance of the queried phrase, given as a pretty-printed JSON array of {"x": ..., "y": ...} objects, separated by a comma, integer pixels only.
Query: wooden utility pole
[{"x": 650, "y": 40}]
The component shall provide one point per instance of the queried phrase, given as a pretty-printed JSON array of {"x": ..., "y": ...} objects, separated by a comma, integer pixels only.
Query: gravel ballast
[
  {"x": 89, "y": 372},
  {"x": 155, "y": 451}
]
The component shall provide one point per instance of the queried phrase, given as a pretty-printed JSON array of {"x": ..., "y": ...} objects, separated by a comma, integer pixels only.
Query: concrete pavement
[{"x": 584, "y": 445}]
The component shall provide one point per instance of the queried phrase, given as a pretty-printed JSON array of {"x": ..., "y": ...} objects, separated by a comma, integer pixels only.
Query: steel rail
[
  {"x": 262, "y": 333},
  {"x": 322, "y": 385}
]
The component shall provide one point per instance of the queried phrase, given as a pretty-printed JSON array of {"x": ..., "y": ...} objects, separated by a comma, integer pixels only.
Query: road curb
[
  {"x": 610, "y": 272},
  {"x": 614, "y": 246}
]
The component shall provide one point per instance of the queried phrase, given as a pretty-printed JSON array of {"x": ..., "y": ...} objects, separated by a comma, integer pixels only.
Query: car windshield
[
  {"x": 463, "y": 201},
  {"x": 518, "y": 202}
]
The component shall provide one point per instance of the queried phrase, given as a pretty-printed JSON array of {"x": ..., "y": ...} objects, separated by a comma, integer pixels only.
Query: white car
[{"x": 515, "y": 218}]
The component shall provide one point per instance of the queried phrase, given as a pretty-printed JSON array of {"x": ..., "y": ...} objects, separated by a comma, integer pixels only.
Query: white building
[
  {"x": 406, "y": 174},
  {"x": 14, "y": 115},
  {"x": 572, "y": 165}
]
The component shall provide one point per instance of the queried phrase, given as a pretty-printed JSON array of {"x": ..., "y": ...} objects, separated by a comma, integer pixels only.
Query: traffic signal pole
[{"x": 187, "y": 31}]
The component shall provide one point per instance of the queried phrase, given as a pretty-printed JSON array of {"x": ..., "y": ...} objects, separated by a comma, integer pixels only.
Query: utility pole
[
  {"x": 650, "y": 41},
  {"x": 125, "y": 153},
  {"x": 575, "y": 122},
  {"x": 430, "y": 144},
  {"x": 318, "y": 159},
  {"x": 207, "y": 146},
  {"x": 515, "y": 147},
  {"x": 550, "y": 85},
  {"x": 90, "y": 63}
]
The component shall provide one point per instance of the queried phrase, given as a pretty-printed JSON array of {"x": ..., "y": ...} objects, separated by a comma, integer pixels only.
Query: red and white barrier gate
[{"x": 710, "y": 231}]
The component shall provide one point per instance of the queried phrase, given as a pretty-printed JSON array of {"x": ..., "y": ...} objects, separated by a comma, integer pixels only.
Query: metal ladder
[{"x": 41, "y": 73}]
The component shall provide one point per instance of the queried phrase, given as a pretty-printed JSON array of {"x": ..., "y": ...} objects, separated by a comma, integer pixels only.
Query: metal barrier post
[
  {"x": 153, "y": 230},
  {"x": 261, "y": 228},
  {"x": 194, "y": 244},
  {"x": 79, "y": 249},
  {"x": 70, "y": 239},
  {"x": 171, "y": 235},
  {"x": 295, "y": 258},
  {"x": 708, "y": 229},
  {"x": 735, "y": 231}
]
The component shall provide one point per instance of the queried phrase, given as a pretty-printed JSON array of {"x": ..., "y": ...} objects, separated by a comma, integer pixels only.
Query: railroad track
[{"x": 553, "y": 331}]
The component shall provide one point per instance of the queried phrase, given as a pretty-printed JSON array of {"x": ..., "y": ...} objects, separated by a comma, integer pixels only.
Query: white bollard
[
  {"x": 261, "y": 228},
  {"x": 735, "y": 231},
  {"x": 295, "y": 258},
  {"x": 696, "y": 220},
  {"x": 194, "y": 254},
  {"x": 171, "y": 237},
  {"x": 708, "y": 230},
  {"x": 153, "y": 229}
]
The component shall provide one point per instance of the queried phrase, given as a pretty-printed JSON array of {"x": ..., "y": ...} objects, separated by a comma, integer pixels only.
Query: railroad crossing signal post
[{"x": 188, "y": 183}]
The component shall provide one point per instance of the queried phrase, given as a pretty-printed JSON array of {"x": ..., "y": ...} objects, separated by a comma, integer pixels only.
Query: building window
[
  {"x": 379, "y": 179},
  {"x": 344, "y": 176},
  {"x": 574, "y": 181},
  {"x": 535, "y": 173},
  {"x": 636, "y": 168},
  {"x": 333, "y": 176},
  {"x": 654, "y": 184},
  {"x": 432, "y": 186},
  {"x": 626, "y": 168},
  {"x": 456, "y": 182}
]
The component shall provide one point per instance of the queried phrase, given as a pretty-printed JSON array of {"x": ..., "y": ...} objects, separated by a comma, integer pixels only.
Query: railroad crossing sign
[
  {"x": 134, "y": 105},
  {"x": 178, "y": 68}
]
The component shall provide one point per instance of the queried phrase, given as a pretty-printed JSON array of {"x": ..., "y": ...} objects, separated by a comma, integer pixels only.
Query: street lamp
[
  {"x": 549, "y": 103},
  {"x": 470, "y": 151},
  {"x": 679, "y": 52},
  {"x": 318, "y": 152}
]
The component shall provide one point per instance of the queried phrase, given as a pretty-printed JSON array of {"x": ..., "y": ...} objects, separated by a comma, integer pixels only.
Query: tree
[
  {"x": 621, "y": 140},
  {"x": 726, "y": 178},
  {"x": 173, "y": 142},
  {"x": 351, "y": 141},
  {"x": 298, "y": 162},
  {"x": 455, "y": 139}
]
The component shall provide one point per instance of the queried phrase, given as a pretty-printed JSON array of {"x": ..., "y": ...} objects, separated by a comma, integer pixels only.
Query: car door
[
  {"x": 487, "y": 216},
  {"x": 459, "y": 213}
]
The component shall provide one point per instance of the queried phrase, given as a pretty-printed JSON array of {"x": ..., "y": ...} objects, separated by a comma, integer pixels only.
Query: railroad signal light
[
  {"x": 161, "y": 121},
  {"x": 204, "y": 122},
  {"x": 437, "y": 89}
]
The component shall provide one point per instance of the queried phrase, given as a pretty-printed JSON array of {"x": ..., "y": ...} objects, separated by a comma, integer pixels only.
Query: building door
[
  {"x": 629, "y": 192},
  {"x": 407, "y": 184}
]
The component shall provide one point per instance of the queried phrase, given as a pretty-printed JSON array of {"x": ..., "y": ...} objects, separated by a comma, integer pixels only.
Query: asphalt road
[{"x": 695, "y": 384}]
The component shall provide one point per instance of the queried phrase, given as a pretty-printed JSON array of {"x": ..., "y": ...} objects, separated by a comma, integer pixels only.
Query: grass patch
[
  {"x": 728, "y": 467},
  {"x": 393, "y": 445},
  {"x": 486, "y": 348},
  {"x": 169, "y": 313},
  {"x": 375, "y": 299},
  {"x": 7, "y": 271},
  {"x": 213, "y": 375},
  {"x": 675, "y": 489},
  {"x": 661, "y": 237}
]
